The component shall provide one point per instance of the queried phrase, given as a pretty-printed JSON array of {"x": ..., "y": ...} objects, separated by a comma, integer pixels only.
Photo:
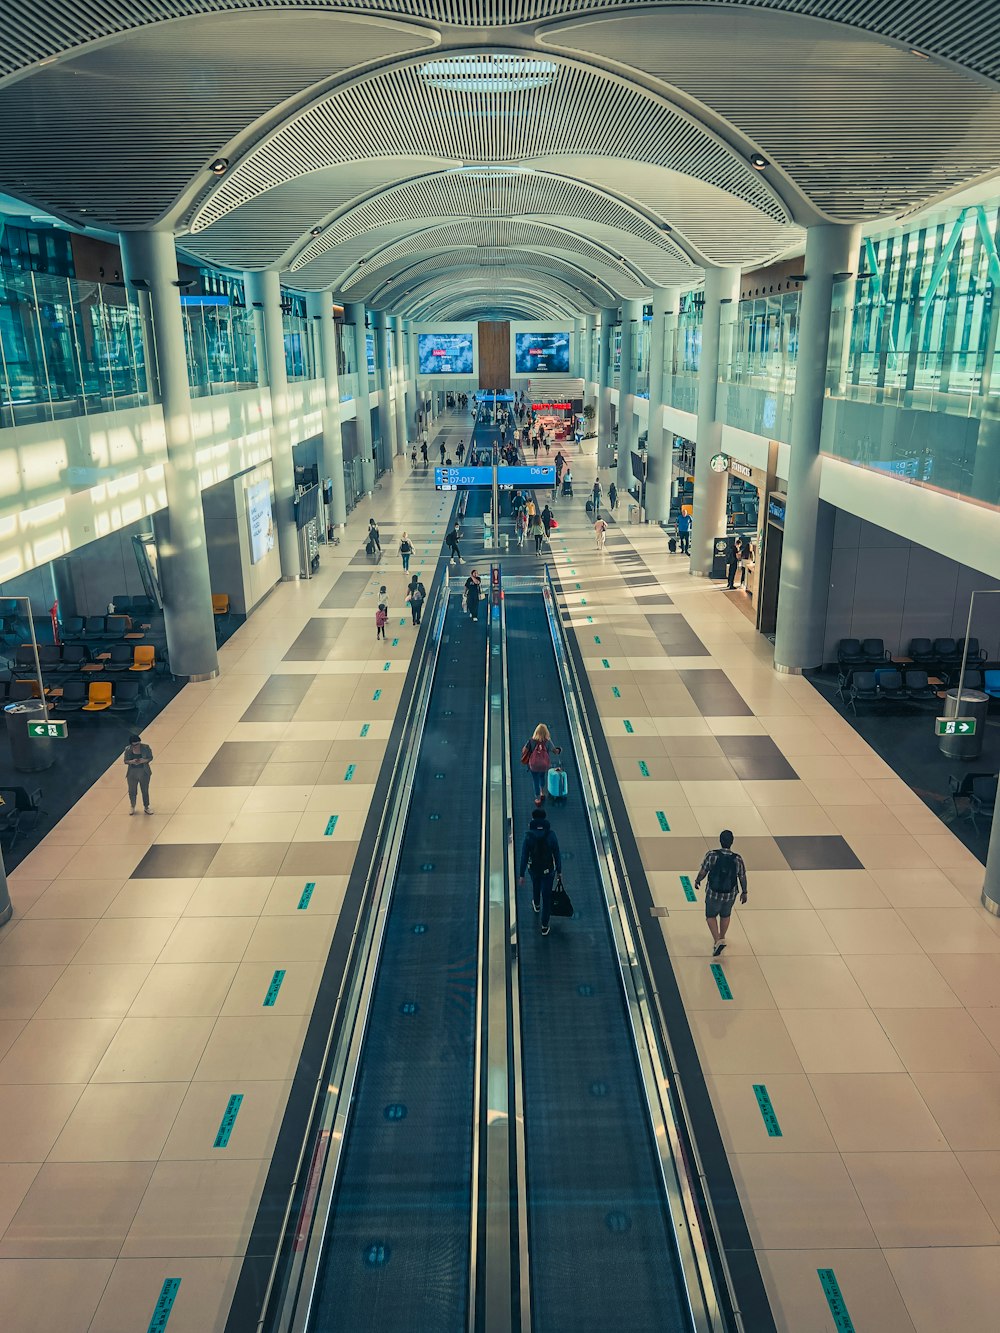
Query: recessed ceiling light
[
  {"x": 921, "y": 55},
  {"x": 758, "y": 161},
  {"x": 220, "y": 166},
  {"x": 316, "y": 231}
]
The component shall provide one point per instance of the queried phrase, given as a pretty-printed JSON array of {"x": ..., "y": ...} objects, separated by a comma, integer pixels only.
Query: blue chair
[{"x": 991, "y": 684}]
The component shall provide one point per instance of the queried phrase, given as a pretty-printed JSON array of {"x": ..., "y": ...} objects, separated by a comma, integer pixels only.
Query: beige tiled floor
[
  {"x": 866, "y": 1001},
  {"x": 132, "y": 1009}
]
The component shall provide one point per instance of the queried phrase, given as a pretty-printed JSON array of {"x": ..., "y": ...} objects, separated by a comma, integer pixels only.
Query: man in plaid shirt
[{"x": 727, "y": 876}]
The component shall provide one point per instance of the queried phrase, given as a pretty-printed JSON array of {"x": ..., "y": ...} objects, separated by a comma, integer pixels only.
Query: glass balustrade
[{"x": 220, "y": 346}]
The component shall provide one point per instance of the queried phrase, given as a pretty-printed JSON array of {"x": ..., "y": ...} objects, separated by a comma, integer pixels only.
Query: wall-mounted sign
[
  {"x": 551, "y": 407},
  {"x": 719, "y": 462},
  {"x": 739, "y": 469},
  {"x": 776, "y": 509}
]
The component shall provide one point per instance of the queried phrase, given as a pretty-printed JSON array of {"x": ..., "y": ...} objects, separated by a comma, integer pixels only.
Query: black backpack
[
  {"x": 540, "y": 856},
  {"x": 723, "y": 878}
]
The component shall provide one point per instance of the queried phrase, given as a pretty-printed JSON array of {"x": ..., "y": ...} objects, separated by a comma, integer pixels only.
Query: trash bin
[
  {"x": 633, "y": 513},
  {"x": 30, "y": 754},
  {"x": 974, "y": 704}
]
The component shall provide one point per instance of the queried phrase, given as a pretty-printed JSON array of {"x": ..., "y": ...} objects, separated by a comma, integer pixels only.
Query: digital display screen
[
  {"x": 445, "y": 353},
  {"x": 370, "y": 349},
  {"x": 541, "y": 353},
  {"x": 260, "y": 519}
]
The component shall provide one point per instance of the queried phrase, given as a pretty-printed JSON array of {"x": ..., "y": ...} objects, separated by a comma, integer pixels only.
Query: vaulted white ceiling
[{"x": 539, "y": 156}]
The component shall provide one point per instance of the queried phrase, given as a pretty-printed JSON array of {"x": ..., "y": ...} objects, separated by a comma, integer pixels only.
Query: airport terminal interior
[{"x": 499, "y": 531}]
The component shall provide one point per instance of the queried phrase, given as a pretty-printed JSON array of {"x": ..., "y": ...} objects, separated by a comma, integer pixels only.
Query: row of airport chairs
[
  {"x": 93, "y": 696},
  {"x": 887, "y": 685},
  {"x": 944, "y": 653},
  {"x": 65, "y": 659}
]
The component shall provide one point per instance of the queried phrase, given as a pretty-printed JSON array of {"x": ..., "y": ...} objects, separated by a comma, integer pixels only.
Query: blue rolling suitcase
[{"x": 558, "y": 784}]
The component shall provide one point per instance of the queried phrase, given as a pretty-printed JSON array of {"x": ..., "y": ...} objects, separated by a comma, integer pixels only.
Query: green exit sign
[
  {"x": 51, "y": 730},
  {"x": 955, "y": 726}
]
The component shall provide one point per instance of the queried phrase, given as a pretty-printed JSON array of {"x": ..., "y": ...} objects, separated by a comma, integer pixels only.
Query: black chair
[
  {"x": 24, "y": 659},
  {"x": 864, "y": 689},
  {"x": 120, "y": 659},
  {"x": 921, "y": 652},
  {"x": 49, "y": 657},
  {"x": 143, "y": 606},
  {"x": 73, "y": 657},
  {"x": 122, "y": 603},
  {"x": 973, "y": 679},
  {"x": 918, "y": 688},
  {"x": 94, "y": 627},
  {"x": 890, "y": 686},
  {"x": 850, "y": 653},
  {"x": 982, "y": 798},
  {"x": 20, "y": 690},
  {"x": 976, "y": 654},
  {"x": 875, "y": 651},
  {"x": 24, "y": 804},
  {"x": 946, "y": 654},
  {"x": 127, "y": 695},
  {"x": 74, "y": 696},
  {"x": 72, "y": 627}
]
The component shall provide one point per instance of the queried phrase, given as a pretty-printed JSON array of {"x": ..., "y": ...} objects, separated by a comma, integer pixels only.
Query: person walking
[
  {"x": 547, "y": 517},
  {"x": 416, "y": 595},
  {"x": 138, "y": 758},
  {"x": 534, "y": 449},
  {"x": 373, "y": 536},
  {"x": 613, "y": 497},
  {"x": 413, "y": 456},
  {"x": 444, "y": 452},
  {"x": 727, "y": 876},
  {"x": 567, "y": 485},
  {"x": 473, "y": 592},
  {"x": 423, "y": 452},
  {"x": 600, "y": 531},
  {"x": 451, "y": 541},
  {"x": 596, "y": 496},
  {"x": 460, "y": 451},
  {"x": 538, "y": 532},
  {"x": 381, "y": 616},
  {"x": 537, "y": 756},
  {"x": 541, "y": 856},
  {"x": 684, "y": 532},
  {"x": 405, "y": 551}
]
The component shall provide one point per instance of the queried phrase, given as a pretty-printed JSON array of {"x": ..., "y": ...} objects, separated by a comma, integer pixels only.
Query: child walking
[{"x": 381, "y": 616}]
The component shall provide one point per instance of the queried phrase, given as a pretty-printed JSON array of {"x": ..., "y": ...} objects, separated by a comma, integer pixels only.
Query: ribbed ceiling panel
[
  {"x": 525, "y": 271},
  {"x": 491, "y": 194},
  {"x": 966, "y": 32},
  {"x": 120, "y": 131},
  {"x": 864, "y": 129},
  {"x": 398, "y": 111}
]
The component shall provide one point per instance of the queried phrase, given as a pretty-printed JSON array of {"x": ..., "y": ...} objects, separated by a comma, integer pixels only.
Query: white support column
[
  {"x": 320, "y": 306},
  {"x": 807, "y": 543},
  {"x": 605, "y": 442},
  {"x": 383, "y": 378},
  {"x": 722, "y": 287},
  {"x": 660, "y": 446},
  {"x": 264, "y": 293},
  {"x": 150, "y": 259},
  {"x": 628, "y": 429},
  {"x": 366, "y": 451},
  {"x": 404, "y": 400}
]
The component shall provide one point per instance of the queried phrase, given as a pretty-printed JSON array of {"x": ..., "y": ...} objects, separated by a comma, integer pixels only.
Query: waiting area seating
[
  {"x": 973, "y": 796},
  {"x": 869, "y": 673},
  {"x": 18, "y": 806}
]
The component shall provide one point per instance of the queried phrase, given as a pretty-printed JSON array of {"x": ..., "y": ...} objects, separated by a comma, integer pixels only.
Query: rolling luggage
[
  {"x": 672, "y": 545},
  {"x": 590, "y": 506},
  {"x": 558, "y": 784}
]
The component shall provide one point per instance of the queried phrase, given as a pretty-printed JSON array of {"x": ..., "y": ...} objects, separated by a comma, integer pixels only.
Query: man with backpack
[
  {"x": 540, "y": 854},
  {"x": 727, "y": 876},
  {"x": 416, "y": 595},
  {"x": 451, "y": 541}
]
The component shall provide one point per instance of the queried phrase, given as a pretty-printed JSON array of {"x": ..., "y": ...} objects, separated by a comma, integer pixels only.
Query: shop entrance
[{"x": 769, "y": 571}]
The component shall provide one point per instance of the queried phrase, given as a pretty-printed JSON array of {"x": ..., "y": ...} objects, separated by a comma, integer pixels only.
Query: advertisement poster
[
  {"x": 445, "y": 353},
  {"x": 260, "y": 520},
  {"x": 541, "y": 353}
]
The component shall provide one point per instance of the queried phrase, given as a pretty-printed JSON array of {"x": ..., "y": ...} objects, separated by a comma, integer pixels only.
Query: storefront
[
  {"x": 557, "y": 419},
  {"x": 768, "y": 572}
]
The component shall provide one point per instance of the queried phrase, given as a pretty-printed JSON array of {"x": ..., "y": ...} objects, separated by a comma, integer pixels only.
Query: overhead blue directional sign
[{"x": 451, "y": 478}]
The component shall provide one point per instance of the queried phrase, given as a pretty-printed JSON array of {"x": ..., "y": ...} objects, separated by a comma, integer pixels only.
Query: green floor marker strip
[
  {"x": 376, "y": 696},
  {"x": 616, "y": 691},
  {"x": 597, "y": 638},
  {"x": 331, "y": 824},
  {"x": 661, "y": 819},
  {"x": 402, "y": 621},
  {"x": 590, "y": 620},
  {"x": 307, "y": 894},
  {"x": 605, "y": 664},
  {"x": 350, "y": 772},
  {"x": 583, "y": 601},
  {"x": 272, "y": 990},
  {"x": 767, "y": 1110},
  {"x": 579, "y": 585},
  {"x": 644, "y": 768},
  {"x": 395, "y": 642},
  {"x": 164, "y": 1304},
  {"x": 364, "y": 729},
  {"x": 228, "y": 1120},
  {"x": 629, "y": 727},
  {"x": 842, "y": 1321},
  {"x": 721, "y": 982},
  {"x": 688, "y": 888},
  {"x": 387, "y": 666}
]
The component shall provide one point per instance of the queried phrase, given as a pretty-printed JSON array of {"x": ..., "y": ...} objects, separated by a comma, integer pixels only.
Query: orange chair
[
  {"x": 145, "y": 657},
  {"x": 99, "y": 697},
  {"x": 220, "y": 603}
]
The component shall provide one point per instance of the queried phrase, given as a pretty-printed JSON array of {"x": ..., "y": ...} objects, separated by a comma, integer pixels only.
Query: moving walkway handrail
[
  {"x": 669, "y": 1115},
  {"x": 339, "y": 1068}
]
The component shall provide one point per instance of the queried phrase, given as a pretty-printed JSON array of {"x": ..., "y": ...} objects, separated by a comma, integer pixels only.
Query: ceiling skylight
[{"x": 488, "y": 73}]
